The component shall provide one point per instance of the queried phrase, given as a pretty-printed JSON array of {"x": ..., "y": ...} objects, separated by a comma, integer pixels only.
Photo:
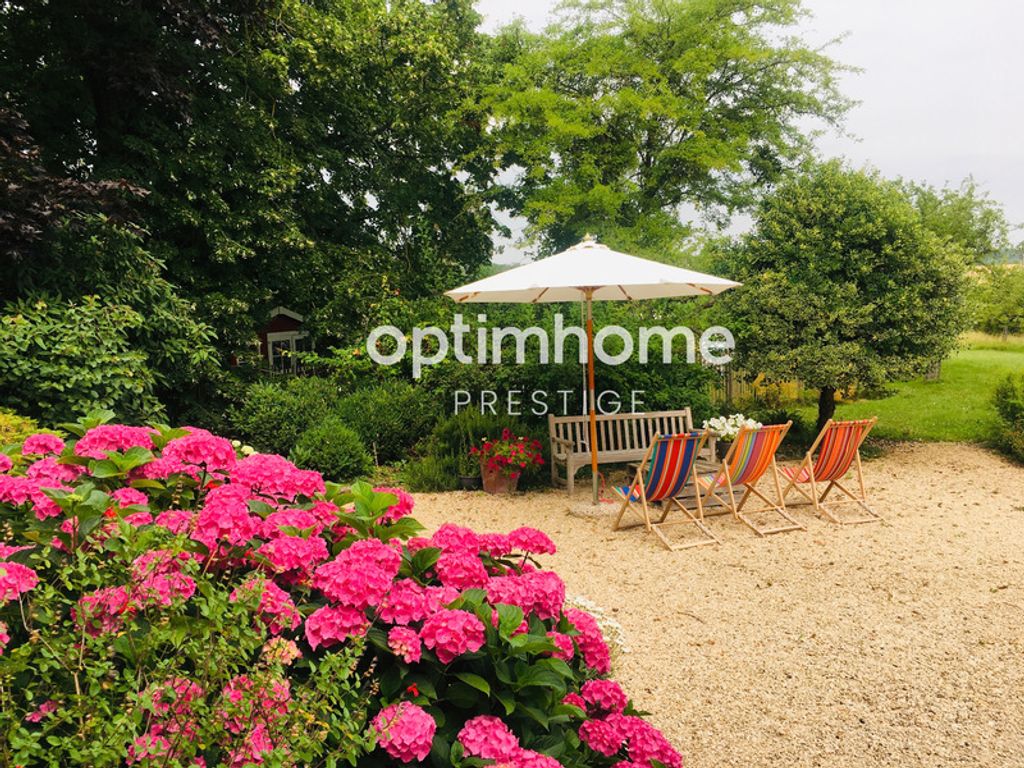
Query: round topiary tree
[
  {"x": 333, "y": 449},
  {"x": 166, "y": 602},
  {"x": 843, "y": 285}
]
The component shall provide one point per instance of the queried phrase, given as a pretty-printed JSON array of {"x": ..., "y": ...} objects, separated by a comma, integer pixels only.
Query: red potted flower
[{"x": 503, "y": 460}]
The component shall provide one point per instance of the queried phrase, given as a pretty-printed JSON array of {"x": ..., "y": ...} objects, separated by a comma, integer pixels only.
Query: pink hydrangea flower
[
  {"x": 603, "y": 697},
  {"x": 564, "y": 648},
  {"x": 276, "y": 608},
  {"x": 575, "y": 700},
  {"x": 294, "y": 553},
  {"x": 6, "y": 550},
  {"x": 405, "y": 642},
  {"x": 113, "y": 437},
  {"x": 43, "y": 506},
  {"x": 488, "y": 737},
  {"x": 330, "y": 625},
  {"x": 139, "y": 519},
  {"x": 225, "y": 516},
  {"x": 176, "y": 520},
  {"x": 451, "y": 633},
  {"x": 405, "y": 731},
  {"x": 407, "y": 602},
  {"x": 531, "y": 540},
  {"x": 128, "y": 497},
  {"x": 299, "y": 519},
  {"x": 201, "y": 449},
  {"x": 41, "y": 444},
  {"x": 461, "y": 570},
  {"x": 647, "y": 743},
  {"x": 602, "y": 736},
  {"x": 539, "y": 593},
  {"x": 359, "y": 576},
  {"x": 494, "y": 544},
  {"x": 48, "y": 473},
  {"x": 454, "y": 538},
  {"x": 15, "y": 580},
  {"x": 15, "y": 490},
  {"x": 5, "y": 462},
  {"x": 590, "y": 641},
  {"x": 527, "y": 758},
  {"x": 399, "y": 509},
  {"x": 163, "y": 468},
  {"x": 4, "y": 637},
  {"x": 275, "y": 476}
]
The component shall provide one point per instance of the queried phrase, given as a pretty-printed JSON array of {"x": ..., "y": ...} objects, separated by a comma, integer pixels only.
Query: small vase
[
  {"x": 497, "y": 482},
  {"x": 470, "y": 482}
]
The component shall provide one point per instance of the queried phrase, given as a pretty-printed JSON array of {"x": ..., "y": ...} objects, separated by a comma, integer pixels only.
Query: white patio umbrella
[{"x": 590, "y": 271}]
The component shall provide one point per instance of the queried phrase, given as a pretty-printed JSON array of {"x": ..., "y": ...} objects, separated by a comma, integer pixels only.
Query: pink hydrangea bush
[{"x": 228, "y": 610}]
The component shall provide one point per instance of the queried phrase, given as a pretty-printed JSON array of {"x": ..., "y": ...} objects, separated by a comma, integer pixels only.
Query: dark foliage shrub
[
  {"x": 332, "y": 449},
  {"x": 274, "y": 414},
  {"x": 1009, "y": 404},
  {"x": 390, "y": 418}
]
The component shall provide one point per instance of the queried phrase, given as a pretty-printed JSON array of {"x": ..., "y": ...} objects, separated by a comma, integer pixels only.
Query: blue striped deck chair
[{"x": 667, "y": 468}]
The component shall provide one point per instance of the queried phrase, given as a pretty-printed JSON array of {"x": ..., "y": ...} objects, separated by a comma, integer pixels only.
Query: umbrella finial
[{"x": 589, "y": 238}]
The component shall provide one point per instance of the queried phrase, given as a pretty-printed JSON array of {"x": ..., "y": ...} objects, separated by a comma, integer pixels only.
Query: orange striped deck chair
[
  {"x": 749, "y": 459},
  {"x": 838, "y": 448},
  {"x": 667, "y": 467}
]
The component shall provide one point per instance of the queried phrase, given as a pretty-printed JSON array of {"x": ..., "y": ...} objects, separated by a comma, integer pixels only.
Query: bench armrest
[{"x": 565, "y": 443}]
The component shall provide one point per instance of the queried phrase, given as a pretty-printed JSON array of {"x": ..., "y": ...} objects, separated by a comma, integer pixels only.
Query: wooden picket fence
[{"x": 730, "y": 388}]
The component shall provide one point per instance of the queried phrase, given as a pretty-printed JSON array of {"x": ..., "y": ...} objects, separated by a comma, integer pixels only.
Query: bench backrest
[{"x": 620, "y": 432}]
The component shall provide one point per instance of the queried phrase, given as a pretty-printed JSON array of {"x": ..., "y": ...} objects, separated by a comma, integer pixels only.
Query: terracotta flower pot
[{"x": 496, "y": 481}]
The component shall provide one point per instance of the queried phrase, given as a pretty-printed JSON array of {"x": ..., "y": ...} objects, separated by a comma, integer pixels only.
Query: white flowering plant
[{"x": 727, "y": 427}]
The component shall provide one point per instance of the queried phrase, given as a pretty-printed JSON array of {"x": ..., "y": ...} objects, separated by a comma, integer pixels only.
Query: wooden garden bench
[{"x": 621, "y": 438}]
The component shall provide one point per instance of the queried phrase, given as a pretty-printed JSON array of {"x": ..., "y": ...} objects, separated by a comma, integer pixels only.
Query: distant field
[{"x": 957, "y": 407}]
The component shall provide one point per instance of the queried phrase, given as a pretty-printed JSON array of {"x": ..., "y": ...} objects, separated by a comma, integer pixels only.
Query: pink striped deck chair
[
  {"x": 668, "y": 466},
  {"x": 838, "y": 448},
  {"x": 750, "y": 458}
]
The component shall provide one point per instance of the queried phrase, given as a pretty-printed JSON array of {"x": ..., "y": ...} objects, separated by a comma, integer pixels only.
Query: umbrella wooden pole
[{"x": 591, "y": 404}]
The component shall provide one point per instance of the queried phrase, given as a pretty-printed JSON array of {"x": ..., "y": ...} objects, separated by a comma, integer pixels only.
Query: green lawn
[{"x": 957, "y": 407}]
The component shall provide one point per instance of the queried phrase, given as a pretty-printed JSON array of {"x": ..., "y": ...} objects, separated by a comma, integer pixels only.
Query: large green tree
[
  {"x": 295, "y": 153},
  {"x": 964, "y": 217},
  {"x": 625, "y": 110},
  {"x": 843, "y": 285}
]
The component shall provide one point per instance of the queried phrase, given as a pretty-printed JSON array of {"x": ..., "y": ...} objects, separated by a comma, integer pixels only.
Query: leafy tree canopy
[
  {"x": 625, "y": 110},
  {"x": 964, "y": 216},
  {"x": 843, "y": 285},
  {"x": 295, "y": 153}
]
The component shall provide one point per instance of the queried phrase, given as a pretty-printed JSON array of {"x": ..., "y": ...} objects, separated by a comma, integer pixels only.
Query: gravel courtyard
[{"x": 899, "y": 643}]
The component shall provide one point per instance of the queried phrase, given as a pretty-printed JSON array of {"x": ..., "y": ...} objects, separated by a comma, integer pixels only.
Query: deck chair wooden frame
[
  {"x": 667, "y": 467},
  {"x": 839, "y": 455},
  {"x": 750, "y": 457}
]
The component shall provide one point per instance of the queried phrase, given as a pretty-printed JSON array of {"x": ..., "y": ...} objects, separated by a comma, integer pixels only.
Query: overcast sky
[{"x": 940, "y": 87}]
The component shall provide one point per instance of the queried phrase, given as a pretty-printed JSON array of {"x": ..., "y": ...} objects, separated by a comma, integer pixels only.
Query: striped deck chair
[
  {"x": 838, "y": 448},
  {"x": 662, "y": 477},
  {"x": 750, "y": 458}
]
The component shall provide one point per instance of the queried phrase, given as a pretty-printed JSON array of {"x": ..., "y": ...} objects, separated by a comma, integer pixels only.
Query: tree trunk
[{"x": 826, "y": 405}]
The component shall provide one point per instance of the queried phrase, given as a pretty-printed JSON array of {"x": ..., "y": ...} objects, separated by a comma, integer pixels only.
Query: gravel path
[{"x": 875, "y": 645}]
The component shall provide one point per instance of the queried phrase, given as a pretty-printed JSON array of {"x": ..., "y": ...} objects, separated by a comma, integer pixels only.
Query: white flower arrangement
[{"x": 727, "y": 427}]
